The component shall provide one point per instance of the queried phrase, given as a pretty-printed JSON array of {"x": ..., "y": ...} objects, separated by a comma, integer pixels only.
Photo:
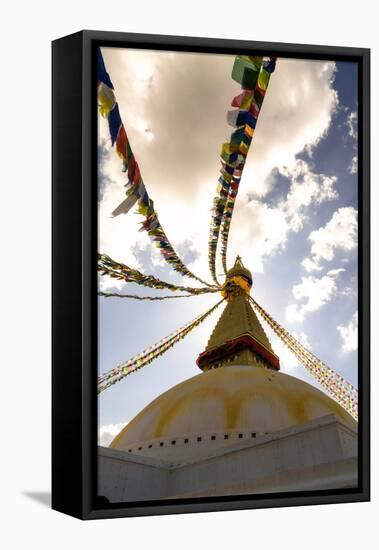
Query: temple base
[{"x": 287, "y": 460}]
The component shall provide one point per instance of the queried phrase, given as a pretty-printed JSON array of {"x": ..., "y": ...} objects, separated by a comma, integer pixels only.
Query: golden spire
[
  {"x": 238, "y": 338},
  {"x": 237, "y": 278}
]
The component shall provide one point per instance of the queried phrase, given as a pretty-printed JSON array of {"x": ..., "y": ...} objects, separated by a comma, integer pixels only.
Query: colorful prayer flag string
[
  {"x": 341, "y": 391},
  {"x": 153, "y": 352},
  {"x": 253, "y": 73},
  {"x": 136, "y": 192},
  {"x": 136, "y": 297},
  {"x": 245, "y": 120},
  {"x": 122, "y": 272}
]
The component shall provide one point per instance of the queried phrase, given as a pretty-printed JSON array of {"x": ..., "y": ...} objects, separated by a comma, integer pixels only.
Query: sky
[{"x": 294, "y": 224}]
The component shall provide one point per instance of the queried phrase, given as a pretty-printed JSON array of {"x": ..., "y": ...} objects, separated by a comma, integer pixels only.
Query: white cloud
[
  {"x": 156, "y": 92},
  {"x": 349, "y": 334},
  {"x": 348, "y": 291},
  {"x": 107, "y": 433},
  {"x": 311, "y": 294},
  {"x": 142, "y": 126},
  {"x": 335, "y": 272},
  {"x": 341, "y": 232},
  {"x": 352, "y": 124},
  {"x": 267, "y": 228},
  {"x": 306, "y": 188},
  {"x": 105, "y": 284},
  {"x": 303, "y": 339},
  {"x": 309, "y": 265},
  {"x": 263, "y": 227},
  {"x": 353, "y": 168},
  {"x": 286, "y": 126}
]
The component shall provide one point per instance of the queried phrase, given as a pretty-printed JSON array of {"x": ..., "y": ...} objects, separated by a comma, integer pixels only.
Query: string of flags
[
  {"x": 342, "y": 391},
  {"x": 122, "y": 272},
  {"x": 136, "y": 193},
  {"x": 153, "y": 352},
  {"x": 136, "y": 297},
  {"x": 244, "y": 118},
  {"x": 253, "y": 73}
]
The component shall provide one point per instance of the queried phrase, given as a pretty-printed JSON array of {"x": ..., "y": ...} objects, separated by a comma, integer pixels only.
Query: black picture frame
[{"x": 74, "y": 314}]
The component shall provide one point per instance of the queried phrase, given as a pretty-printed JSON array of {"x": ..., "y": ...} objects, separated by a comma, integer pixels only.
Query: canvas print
[{"x": 227, "y": 262}]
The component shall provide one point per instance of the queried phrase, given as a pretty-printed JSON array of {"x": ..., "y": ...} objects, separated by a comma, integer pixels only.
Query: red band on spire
[{"x": 242, "y": 342}]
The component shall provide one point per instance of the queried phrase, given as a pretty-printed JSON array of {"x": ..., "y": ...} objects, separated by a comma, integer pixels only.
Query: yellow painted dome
[{"x": 223, "y": 402}]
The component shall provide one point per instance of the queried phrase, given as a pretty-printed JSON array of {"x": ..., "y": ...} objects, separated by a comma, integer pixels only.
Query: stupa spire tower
[{"x": 238, "y": 337}]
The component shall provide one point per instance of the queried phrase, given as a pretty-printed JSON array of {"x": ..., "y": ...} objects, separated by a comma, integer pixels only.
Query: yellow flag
[{"x": 106, "y": 99}]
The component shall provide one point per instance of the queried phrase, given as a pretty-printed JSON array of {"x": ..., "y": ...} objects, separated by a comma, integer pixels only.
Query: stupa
[{"x": 238, "y": 427}]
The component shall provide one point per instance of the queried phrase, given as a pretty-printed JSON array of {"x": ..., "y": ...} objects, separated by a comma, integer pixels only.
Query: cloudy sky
[{"x": 295, "y": 221}]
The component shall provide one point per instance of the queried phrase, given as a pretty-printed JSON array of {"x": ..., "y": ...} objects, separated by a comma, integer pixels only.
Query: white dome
[{"x": 225, "y": 404}]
